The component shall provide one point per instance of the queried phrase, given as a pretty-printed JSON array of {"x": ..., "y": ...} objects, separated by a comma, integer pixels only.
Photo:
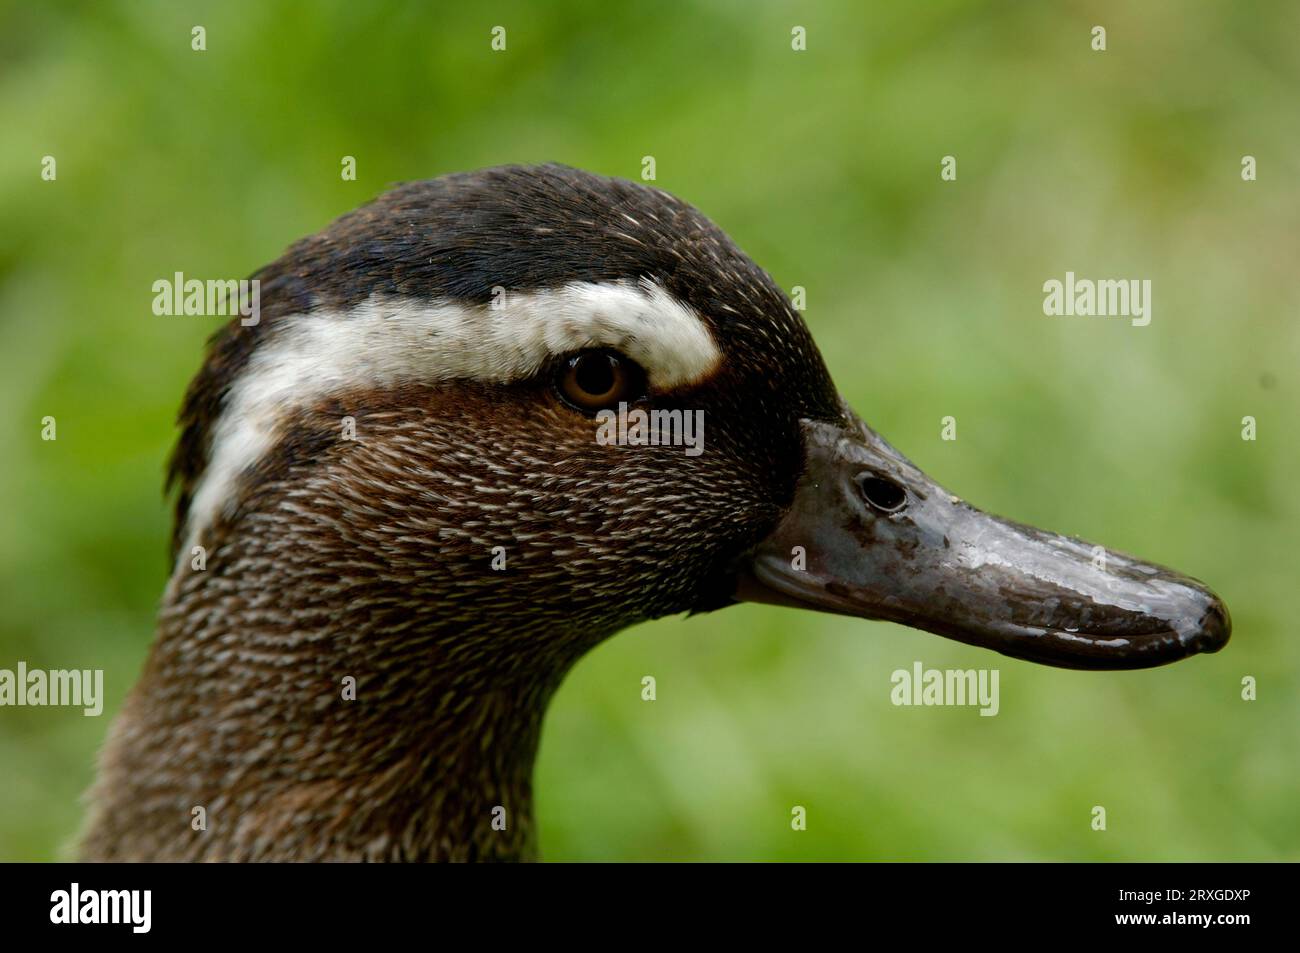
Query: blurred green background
[{"x": 924, "y": 295}]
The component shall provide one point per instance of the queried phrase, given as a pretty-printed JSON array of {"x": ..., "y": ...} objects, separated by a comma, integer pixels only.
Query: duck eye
[
  {"x": 885, "y": 495},
  {"x": 596, "y": 379}
]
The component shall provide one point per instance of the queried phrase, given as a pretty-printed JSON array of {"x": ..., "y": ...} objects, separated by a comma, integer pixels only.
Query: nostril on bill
[{"x": 884, "y": 495}]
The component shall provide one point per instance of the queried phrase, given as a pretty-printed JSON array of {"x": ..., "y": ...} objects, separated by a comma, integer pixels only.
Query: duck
[{"x": 396, "y": 530}]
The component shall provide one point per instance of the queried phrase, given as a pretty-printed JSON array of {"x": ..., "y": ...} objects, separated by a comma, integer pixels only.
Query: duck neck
[{"x": 272, "y": 727}]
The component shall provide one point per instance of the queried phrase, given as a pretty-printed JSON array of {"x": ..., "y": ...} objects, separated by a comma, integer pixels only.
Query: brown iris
[{"x": 594, "y": 380}]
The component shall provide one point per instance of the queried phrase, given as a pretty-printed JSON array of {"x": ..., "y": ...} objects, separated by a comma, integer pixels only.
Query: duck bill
[{"x": 868, "y": 534}]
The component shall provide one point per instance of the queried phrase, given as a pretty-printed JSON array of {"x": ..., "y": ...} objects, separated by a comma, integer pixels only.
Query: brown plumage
[
  {"x": 372, "y": 558},
  {"x": 333, "y": 561}
]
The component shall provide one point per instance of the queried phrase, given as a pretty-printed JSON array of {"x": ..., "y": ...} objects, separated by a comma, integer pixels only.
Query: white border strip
[{"x": 389, "y": 341}]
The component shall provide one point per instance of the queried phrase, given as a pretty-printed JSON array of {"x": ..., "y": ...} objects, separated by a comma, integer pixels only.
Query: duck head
[
  {"x": 486, "y": 421},
  {"x": 625, "y": 408}
]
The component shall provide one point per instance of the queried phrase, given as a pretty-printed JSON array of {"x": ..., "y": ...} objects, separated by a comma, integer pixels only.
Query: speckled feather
[{"x": 372, "y": 558}]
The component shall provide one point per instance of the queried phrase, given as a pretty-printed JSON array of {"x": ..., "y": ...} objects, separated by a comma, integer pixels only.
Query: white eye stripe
[{"x": 384, "y": 342}]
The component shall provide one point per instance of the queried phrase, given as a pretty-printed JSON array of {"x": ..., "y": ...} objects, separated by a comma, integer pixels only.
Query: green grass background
[{"x": 925, "y": 297}]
